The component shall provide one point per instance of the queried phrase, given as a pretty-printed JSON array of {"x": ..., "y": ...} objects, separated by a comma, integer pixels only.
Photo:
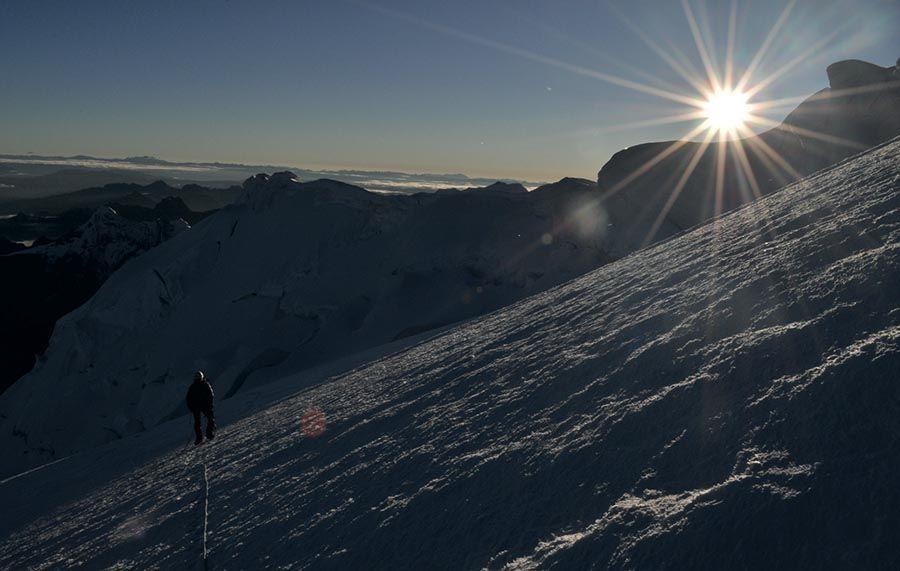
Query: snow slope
[
  {"x": 293, "y": 275},
  {"x": 726, "y": 400}
]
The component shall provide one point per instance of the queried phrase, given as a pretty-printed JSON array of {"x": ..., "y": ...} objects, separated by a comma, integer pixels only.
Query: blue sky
[{"x": 472, "y": 87}]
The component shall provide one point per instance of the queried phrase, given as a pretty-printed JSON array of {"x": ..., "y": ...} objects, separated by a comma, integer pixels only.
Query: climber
[{"x": 200, "y": 400}]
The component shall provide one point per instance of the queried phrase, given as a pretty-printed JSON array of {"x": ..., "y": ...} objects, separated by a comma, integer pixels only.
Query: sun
[{"x": 726, "y": 111}]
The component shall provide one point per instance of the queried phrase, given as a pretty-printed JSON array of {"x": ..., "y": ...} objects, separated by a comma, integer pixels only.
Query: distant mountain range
[
  {"x": 196, "y": 197},
  {"x": 36, "y": 176}
]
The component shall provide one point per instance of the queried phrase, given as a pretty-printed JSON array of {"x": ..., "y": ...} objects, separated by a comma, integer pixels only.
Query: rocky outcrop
[
  {"x": 169, "y": 209},
  {"x": 8, "y": 246}
]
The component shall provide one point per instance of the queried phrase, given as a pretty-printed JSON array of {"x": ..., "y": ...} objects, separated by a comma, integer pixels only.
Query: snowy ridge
[{"x": 725, "y": 400}]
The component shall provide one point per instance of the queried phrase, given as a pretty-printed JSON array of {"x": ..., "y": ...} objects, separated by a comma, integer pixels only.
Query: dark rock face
[
  {"x": 860, "y": 110},
  {"x": 54, "y": 277},
  {"x": 39, "y": 294},
  {"x": 27, "y": 227},
  {"x": 8, "y": 247},
  {"x": 169, "y": 208}
]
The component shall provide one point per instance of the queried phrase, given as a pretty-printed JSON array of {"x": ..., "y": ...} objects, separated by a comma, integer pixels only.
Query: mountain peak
[
  {"x": 856, "y": 73},
  {"x": 158, "y": 185},
  {"x": 514, "y": 187},
  {"x": 567, "y": 184},
  {"x": 259, "y": 190},
  {"x": 263, "y": 180}
]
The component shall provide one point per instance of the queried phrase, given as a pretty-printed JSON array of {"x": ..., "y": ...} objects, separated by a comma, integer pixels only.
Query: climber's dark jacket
[{"x": 200, "y": 396}]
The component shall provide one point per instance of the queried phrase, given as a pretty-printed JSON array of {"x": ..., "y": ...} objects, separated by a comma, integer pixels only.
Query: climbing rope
[
  {"x": 205, "y": 512},
  {"x": 204, "y": 474}
]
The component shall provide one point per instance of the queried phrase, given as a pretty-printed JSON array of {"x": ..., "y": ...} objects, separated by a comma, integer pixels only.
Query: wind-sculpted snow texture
[{"x": 725, "y": 400}]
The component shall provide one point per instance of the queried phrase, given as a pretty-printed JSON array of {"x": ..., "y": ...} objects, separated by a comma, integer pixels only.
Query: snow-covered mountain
[
  {"x": 296, "y": 274},
  {"x": 725, "y": 400}
]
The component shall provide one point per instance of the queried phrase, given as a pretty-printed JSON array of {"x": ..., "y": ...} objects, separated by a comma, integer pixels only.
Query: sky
[{"x": 519, "y": 89}]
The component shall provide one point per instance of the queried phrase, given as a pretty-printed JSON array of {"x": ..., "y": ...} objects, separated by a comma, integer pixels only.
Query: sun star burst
[{"x": 726, "y": 110}]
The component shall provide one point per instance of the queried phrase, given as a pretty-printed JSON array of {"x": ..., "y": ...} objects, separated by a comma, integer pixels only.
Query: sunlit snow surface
[{"x": 725, "y": 400}]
